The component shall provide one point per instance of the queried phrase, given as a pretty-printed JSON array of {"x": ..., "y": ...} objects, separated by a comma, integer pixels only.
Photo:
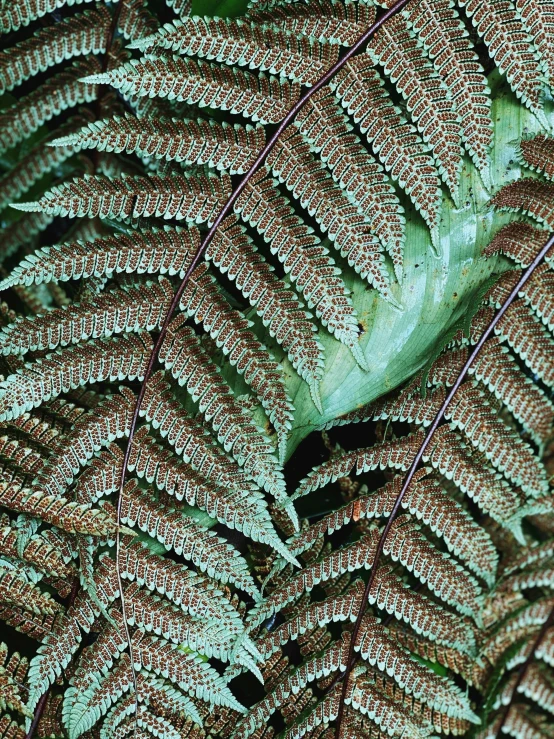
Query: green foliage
[{"x": 343, "y": 292}]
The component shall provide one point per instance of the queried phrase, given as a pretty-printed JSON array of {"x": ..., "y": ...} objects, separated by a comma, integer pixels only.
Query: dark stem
[
  {"x": 417, "y": 459},
  {"x": 397, "y": 7},
  {"x": 41, "y": 705}
]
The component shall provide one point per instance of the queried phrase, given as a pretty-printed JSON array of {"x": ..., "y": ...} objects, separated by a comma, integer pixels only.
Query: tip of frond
[
  {"x": 358, "y": 354},
  {"x": 69, "y": 140},
  {"x": 486, "y": 178},
  {"x": 32, "y": 207},
  {"x": 316, "y": 395},
  {"x": 141, "y": 43},
  {"x": 102, "y": 78},
  {"x": 436, "y": 242}
]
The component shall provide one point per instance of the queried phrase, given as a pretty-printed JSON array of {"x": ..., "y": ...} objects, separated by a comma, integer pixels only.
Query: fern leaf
[
  {"x": 37, "y": 550},
  {"x": 156, "y": 614},
  {"x": 189, "y": 672},
  {"x": 234, "y": 253},
  {"x": 40, "y": 161},
  {"x": 33, "y": 626},
  {"x": 443, "y": 36},
  {"x": 59, "y": 372},
  {"x": 190, "y": 438},
  {"x": 62, "y": 91},
  {"x": 397, "y": 455},
  {"x": 528, "y": 337},
  {"x": 329, "y": 133},
  {"x": 194, "y": 593},
  {"x": 85, "y": 33},
  {"x": 203, "y": 301},
  {"x": 512, "y": 49},
  {"x": 428, "y": 619},
  {"x": 391, "y": 718},
  {"x": 538, "y": 18},
  {"x": 345, "y": 225},
  {"x": 498, "y": 370},
  {"x": 470, "y": 412},
  {"x": 530, "y": 196},
  {"x": 443, "y": 576},
  {"x": 22, "y": 232},
  {"x": 60, "y": 645},
  {"x": 537, "y": 153},
  {"x": 241, "y": 510},
  {"x": 59, "y": 511},
  {"x": 259, "y": 97},
  {"x": 16, "y": 590},
  {"x": 520, "y": 241},
  {"x": 471, "y": 475},
  {"x": 23, "y": 12},
  {"x": 210, "y": 553},
  {"x": 191, "y": 198},
  {"x": 226, "y": 147},
  {"x": 183, "y": 355},
  {"x": 426, "y": 95},
  {"x": 105, "y": 423},
  {"x": 239, "y": 42},
  {"x": 379, "y": 649},
  {"x": 303, "y": 257},
  {"x": 149, "y": 252},
  {"x": 119, "y": 311},
  {"x": 428, "y": 502},
  {"x": 397, "y": 144}
]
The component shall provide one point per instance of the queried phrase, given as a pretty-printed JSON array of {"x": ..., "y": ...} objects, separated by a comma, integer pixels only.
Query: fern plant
[{"x": 177, "y": 557}]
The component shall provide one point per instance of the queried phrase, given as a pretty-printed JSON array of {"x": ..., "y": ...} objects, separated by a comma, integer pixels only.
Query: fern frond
[
  {"x": 194, "y": 198},
  {"x": 238, "y": 42},
  {"x": 440, "y": 31},
  {"x": 293, "y": 164},
  {"x": 537, "y": 153},
  {"x": 478, "y": 419},
  {"x": 428, "y": 502},
  {"x": 17, "y": 590},
  {"x": 108, "y": 421},
  {"x": 511, "y": 47},
  {"x": 397, "y": 144},
  {"x": 243, "y": 510},
  {"x": 193, "y": 593},
  {"x": 164, "y": 252},
  {"x": 529, "y": 196},
  {"x": 85, "y": 33},
  {"x": 520, "y": 241},
  {"x": 226, "y": 147},
  {"x": 234, "y": 253},
  {"x": 183, "y": 355},
  {"x": 189, "y": 437},
  {"x": 62, "y": 91},
  {"x": 187, "y": 671},
  {"x": 329, "y": 133},
  {"x": 443, "y": 576},
  {"x": 204, "y": 302},
  {"x": 261, "y": 98},
  {"x": 59, "y": 511},
  {"x": 114, "y": 359},
  {"x": 126, "y": 310},
  {"x": 23, "y": 12},
  {"x": 303, "y": 257},
  {"x": 209, "y": 552},
  {"x": 324, "y": 20},
  {"x": 426, "y": 95},
  {"x": 379, "y": 649},
  {"x": 538, "y": 18},
  {"x": 40, "y": 161}
]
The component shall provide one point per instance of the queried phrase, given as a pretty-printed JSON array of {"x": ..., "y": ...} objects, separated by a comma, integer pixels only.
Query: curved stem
[
  {"x": 417, "y": 459},
  {"x": 397, "y": 7}
]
